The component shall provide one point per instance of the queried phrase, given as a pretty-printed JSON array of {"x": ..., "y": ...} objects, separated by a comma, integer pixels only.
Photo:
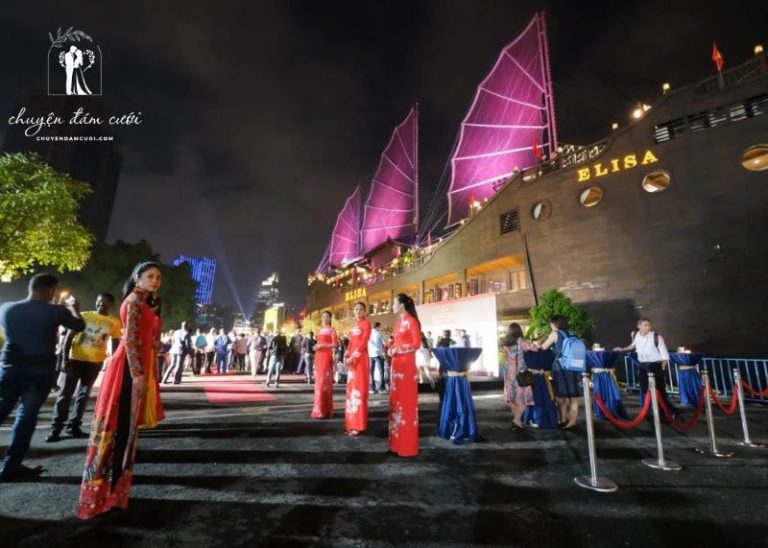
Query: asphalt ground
[{"x": 264, "y": 474}]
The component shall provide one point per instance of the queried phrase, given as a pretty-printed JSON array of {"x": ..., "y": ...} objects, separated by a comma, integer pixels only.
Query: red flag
[
  {"x": 536, "y": 150},
  {"x": 717, "y": 57}
]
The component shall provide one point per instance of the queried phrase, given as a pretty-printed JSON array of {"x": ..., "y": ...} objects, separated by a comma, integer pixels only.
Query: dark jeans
[
  {"x": 176, "y": 369},
  {"x": 31, "y": 385},
  {"x": 377, "y": 374},
  {"x": 75, "y": 372},
  {"x": 209, "y": 357},
  {"x": 661, "y": 385},
  {"x": 197, "y": 364}
]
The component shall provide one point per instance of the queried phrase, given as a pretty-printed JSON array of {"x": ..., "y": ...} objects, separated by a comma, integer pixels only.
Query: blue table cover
[
  {"x": 543, "y": 412},
  {"x": 688, "y": 381},
  {"x": 457, "y": 410},
  {"x": 605, "y": 384}
]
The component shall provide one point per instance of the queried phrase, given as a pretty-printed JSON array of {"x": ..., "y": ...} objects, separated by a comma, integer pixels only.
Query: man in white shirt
[
  {"x": 376, "y": 355},
  {"x": 653, "y": 356}
]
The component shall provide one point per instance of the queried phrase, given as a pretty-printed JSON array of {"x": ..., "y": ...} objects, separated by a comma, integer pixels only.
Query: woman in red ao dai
[
  {"x": 358, "y": 379},
  {"x": 403, "y": 395}
]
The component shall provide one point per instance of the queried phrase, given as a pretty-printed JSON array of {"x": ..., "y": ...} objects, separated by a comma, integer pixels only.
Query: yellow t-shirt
[{"x": 90, "y": 345}]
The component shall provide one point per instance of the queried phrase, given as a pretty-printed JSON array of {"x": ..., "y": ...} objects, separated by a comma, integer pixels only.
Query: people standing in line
[
  {"x": 83, "y": 355},
  {"x": 256, "y": 345},
  {"x": 108, "y": 473},
  {"x": 356, "y": 360},
  {"x": 28, "y": 364},
  {"x": 199, "y": 344},
  {"x": 403, "y": 394},
  {"x": 181, "y": 347},
  {"x": 653, "y": 356},
  {"x": 516, "y": 396},
  {"x": 277, "y": 351},
  {"x": 327, "y": 341},
  {"x": 241, "y": 350},
  {"x": 567, "y": 384},
  {"x": 308, "y": 355},
  {"x": 210, "y": 350},
  {"x": 376, "y": 355},
  {"x": 221, "y": 347}
]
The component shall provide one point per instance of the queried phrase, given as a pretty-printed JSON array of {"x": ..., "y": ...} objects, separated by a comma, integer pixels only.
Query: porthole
[
  {"x": 755, "y": 158},
  {"x": 541, "y": 210},
  {"x": 656, "y": 181},
  {"x": 590, "y": 197}
]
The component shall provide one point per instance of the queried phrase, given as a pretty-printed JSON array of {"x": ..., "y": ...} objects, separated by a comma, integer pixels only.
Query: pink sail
[
  {"x": 345, "y": 240},
  {"x": 391, "y": 210},
  {"x": 510, "y": 122}
]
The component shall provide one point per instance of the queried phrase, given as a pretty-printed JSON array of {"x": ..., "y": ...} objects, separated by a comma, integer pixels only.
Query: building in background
[
  {"x": 95, "y": 161},
  {"x": 267, "y": 296},
  {"x": 203, "y": 272}
]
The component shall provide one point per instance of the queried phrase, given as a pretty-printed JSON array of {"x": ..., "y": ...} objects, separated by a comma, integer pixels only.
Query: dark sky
[{"x": 261, "y": 117}]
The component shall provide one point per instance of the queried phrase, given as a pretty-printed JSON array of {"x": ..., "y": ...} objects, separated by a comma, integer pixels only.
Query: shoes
[
  {"x": 277, "y": 385},
  {"x": 568, "y": 427},
  {"x": 20, "y": 473},
  {"x": 75, "y": 432},
  {"x": 177, "y": 382},
  {"x": 516, "y": 427},
  {"x": 53, "y": 436}
]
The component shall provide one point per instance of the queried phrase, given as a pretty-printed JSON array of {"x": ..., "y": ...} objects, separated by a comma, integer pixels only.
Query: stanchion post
[
  {"x": 592, "y": 481},
  {"x": 661, "y": 463},
  {"x": 742, "y": 411},
  {"x": 712, "y": 450}
]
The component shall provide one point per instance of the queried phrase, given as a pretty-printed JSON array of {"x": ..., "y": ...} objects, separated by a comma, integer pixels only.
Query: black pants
[
  {"x": 76, "y": 371},
  {"x": 661, "y": 384}
]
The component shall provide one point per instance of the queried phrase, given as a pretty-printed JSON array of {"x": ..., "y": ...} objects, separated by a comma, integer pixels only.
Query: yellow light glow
[
  {"x": 615, "y": 126},
  {"x": 637, "y": 113},
  {"x": 665, "y": 87},
  {"x": 646, "y": 108},
  {"x": 758, "y": 49}
]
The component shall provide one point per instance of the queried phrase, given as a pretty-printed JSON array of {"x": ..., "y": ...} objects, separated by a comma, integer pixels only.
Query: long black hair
[
  {"x": 514, "y": 333},
  {"x": 138, "y": 270},
  {"x": 409, "y": 305}
]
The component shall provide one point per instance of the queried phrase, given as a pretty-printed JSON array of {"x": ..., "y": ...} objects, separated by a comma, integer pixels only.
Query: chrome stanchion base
[
  {"x": 665, "y": 465},
  {"x": 751, "y": 444},
  {"x": 602, "y": 485},
  {"x": 718, "y": 454}
]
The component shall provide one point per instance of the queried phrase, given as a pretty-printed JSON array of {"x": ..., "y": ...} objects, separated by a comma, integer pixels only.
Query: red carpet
[{"x": 244, "y": 391}]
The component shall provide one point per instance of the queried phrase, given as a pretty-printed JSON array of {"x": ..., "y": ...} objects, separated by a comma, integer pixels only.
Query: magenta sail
[
  {"x": 345, "y": 240},
  {"x": 511, "y": 122},
  {"x": 391, "y": 210}
]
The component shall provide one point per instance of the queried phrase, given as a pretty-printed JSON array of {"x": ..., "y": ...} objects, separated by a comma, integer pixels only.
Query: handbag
[{"x": 524, "y": 378}]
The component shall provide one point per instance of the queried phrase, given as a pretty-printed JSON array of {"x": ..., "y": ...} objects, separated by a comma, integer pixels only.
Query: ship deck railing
[{"x": 754, "y": 371}]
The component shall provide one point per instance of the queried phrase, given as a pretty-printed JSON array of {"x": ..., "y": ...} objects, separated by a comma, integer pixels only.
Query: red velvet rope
[
  {"x": 626, "y": 425},
  {"x": 734, "y": 402},
  {"x": 682, "y": 425},
  {"x": 763, "y": 394}
]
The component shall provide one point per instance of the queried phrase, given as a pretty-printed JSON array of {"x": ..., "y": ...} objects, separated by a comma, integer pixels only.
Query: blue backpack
[{"x": 573, "y": 354}]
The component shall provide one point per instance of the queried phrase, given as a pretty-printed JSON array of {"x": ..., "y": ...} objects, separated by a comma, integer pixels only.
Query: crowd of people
[{"x": 368, "y": 359}]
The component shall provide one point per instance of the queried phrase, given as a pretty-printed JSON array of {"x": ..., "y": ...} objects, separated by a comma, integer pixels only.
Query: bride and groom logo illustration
[{"x": 74, "y": 64}]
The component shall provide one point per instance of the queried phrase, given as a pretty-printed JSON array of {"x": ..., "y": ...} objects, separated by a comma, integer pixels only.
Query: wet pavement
[{"x": 261, "y": 473}]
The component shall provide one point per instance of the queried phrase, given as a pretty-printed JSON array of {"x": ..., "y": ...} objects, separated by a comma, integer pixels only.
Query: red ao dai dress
[
  {"x": 323, "y": 405},
  {"x": 358, "y": 377},
  {"x": 403, "y": 395}
]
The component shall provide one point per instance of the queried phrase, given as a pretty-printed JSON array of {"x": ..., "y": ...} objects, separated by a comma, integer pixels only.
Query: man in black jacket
[{"x": 278, "y": 348}]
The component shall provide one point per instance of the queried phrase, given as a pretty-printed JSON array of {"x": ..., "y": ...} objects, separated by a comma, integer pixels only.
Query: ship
[{"x": 663, "y": 219}]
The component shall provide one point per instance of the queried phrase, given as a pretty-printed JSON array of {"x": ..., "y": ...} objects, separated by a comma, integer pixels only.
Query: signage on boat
[
  {"x": 353, "y": 294},
  {"x": 601, "y": 169}
]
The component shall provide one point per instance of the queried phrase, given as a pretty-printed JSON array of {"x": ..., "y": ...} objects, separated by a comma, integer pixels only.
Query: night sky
[{"x": 261, "y": 117}]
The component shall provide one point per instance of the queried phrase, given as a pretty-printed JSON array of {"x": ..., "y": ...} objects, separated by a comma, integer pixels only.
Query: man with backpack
[
  {"x": 570, "y": 362},
  {"x": 653, "y": 357}
]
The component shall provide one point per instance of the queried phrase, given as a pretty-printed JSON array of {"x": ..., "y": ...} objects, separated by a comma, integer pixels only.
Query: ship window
[
  {"x": 590, "y": 197},
  {"x": 656, "y": 181},
  {"x": 755, "y": 158},
  {"x": 541, "y": 210},
  {"x": 509, "y": 221}
]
